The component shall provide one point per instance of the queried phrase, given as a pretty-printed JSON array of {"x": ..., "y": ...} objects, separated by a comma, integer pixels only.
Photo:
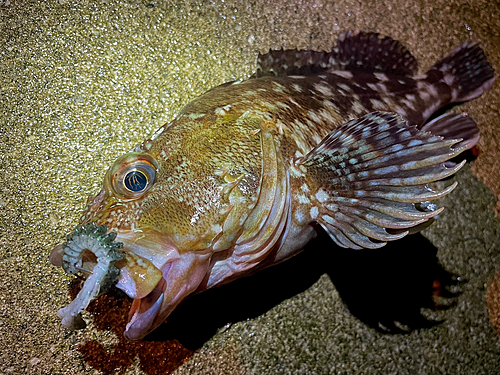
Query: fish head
[{"x": 174, "y": 202}]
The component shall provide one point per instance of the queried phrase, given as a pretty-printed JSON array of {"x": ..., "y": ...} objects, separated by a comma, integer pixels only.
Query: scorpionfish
[{"x": 249, "y": 172}]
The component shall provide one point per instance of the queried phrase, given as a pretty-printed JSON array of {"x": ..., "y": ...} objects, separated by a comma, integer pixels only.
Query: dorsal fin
[
  {"x": 291, "y": 62},
  {"x": 355, "y": 51}
]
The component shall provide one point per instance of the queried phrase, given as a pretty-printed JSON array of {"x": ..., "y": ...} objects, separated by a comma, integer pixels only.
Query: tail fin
[{"x": 466, "y": 71}]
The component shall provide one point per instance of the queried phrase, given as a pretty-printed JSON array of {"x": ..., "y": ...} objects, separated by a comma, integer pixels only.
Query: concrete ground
[{"x": 82, "y": 82}]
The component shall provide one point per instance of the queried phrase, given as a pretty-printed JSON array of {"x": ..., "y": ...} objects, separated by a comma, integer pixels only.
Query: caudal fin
[{"x": 466, "y": 71}]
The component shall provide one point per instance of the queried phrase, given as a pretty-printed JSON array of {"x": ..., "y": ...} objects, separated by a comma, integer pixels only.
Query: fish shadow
[{"x": 385, "y": 288}]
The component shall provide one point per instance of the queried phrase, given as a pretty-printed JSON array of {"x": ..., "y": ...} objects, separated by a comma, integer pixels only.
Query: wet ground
[{"x": 82, "y": 82}]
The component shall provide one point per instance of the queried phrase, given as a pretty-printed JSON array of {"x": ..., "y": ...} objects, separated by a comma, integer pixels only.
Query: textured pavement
[{"x": 82, "y": 82}]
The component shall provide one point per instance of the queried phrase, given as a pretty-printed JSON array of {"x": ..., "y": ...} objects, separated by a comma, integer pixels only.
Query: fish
[{"x": 248, "y": 173}]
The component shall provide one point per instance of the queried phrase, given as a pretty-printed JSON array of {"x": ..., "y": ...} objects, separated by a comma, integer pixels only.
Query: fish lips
[
  {"x": 56, "y": 255},
  {"x": 152, "y": 272},
  {"x": 181, "y": 277},
  {"x": 144, "y": 264},
  {"x": 137, "y": 260}
]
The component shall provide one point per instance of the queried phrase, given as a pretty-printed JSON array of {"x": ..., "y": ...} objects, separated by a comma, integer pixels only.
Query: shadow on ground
[{"x": 385, "y": 288}]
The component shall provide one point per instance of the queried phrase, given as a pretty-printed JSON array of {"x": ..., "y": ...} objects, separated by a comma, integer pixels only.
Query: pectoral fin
[{"x": 368, "y": 175}]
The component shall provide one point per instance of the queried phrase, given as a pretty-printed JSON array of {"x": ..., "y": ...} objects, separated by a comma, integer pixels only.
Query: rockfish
[{"x": 249, "y": 172}]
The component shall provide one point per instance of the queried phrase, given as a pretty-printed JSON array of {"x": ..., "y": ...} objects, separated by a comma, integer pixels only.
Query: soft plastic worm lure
[{"x": 102, "y": 276}]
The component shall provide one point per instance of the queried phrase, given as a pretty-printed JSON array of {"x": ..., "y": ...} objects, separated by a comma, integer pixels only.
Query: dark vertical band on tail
[{"x": 465, "y": 71}]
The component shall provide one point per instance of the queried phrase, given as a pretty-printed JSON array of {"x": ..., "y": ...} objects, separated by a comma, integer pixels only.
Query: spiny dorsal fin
[
  {"x": 289, "y": 62},
  {"x": 369, "y": 174},
  {"x": 367, "y": 52}
]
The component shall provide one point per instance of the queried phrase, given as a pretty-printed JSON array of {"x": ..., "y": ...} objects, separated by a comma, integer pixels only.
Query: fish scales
[
  {"x": 312, "y": 106},
  {"x": 249, "y": 172}
]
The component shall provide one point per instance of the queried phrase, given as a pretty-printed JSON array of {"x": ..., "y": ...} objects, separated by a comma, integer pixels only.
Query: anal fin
[
  {"x": 453, "y": 126},
  {"x": 370, "y": 174}
]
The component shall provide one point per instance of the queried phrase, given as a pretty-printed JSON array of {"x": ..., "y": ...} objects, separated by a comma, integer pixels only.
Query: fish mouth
[
  {"x": 144, "y": 264},
  {"x": 88, "y": 249}
]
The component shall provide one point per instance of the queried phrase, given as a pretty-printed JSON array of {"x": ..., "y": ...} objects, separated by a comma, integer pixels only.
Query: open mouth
[
  {"x": 145, "y": 265},
  {"x": 88, "y": 249}
]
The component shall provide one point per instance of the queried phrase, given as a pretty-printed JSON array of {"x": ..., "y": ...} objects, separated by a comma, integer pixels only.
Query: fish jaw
[
  {"x": 151, "y": 271},
  {"x": 146, "y": 253},
  {"x": 180, "y": 278},
  {"x": 158, "y": 277}
]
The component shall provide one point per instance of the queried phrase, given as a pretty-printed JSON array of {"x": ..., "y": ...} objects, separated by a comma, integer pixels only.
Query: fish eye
[
  {"x": 133, "y": 174},
  {"x": 135, "y": 181}
]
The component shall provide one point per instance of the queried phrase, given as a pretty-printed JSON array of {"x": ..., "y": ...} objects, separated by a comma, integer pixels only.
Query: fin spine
[
  {"x": 355, "y": 51},
  {"x": 360, "y": 200}
]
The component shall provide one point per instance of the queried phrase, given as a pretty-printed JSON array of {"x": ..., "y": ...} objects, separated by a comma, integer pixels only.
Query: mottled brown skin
[
  {"x": 210, "y": 173},
  {"x": 210, "y": 145},
  {"x": 246, "y": 171}
]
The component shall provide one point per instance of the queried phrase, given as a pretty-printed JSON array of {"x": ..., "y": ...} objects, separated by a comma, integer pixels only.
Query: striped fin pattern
[
  {"x": 370, "y": 173},
  {"x": 451, "y": 126},
  {"x": 466, "y": 71},
  {"x": 355, "y": 51}
]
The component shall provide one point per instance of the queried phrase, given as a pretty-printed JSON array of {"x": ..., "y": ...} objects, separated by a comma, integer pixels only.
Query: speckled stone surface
[{"x": 82, "y": 82}]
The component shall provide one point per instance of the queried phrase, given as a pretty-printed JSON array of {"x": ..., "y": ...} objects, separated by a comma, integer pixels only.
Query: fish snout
[{"x": 56, "y": 255}]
